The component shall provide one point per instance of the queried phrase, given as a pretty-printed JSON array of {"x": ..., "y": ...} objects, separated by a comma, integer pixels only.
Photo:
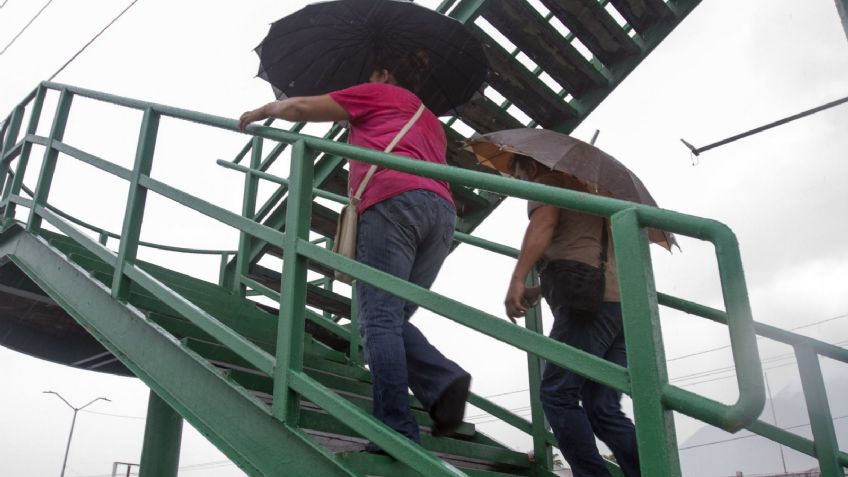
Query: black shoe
[
  {"x": 448, "y": 410},
  {"x": 370, "y": 448}
]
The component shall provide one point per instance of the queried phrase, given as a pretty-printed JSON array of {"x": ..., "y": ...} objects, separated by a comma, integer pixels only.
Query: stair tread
[
  {"x": 525, "y": 27},
  {"x": 382, "y": 465}
]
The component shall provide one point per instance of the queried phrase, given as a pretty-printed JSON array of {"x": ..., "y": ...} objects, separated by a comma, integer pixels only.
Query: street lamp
[{"x": 73, "y": 422}]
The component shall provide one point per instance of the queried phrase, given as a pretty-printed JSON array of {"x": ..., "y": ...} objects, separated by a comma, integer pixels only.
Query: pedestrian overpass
[{"x": 267, "y": 363}]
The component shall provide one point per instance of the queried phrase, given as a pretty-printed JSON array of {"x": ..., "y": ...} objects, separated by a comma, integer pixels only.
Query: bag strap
[
  {"x": 395, "y": 141},
  {"x": 604, "y": 245}
]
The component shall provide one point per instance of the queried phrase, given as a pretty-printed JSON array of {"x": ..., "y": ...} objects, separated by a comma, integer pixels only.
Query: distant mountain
[{"x": 711, "y": 452}]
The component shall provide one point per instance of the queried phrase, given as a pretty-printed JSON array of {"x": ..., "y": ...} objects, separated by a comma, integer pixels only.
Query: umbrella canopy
[
  {"x": 333, "y": 45},
  {"x": 596, "y": 171}
]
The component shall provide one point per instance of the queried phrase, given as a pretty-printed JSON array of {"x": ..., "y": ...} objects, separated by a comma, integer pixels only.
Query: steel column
[{"x": 160, "y": 455}]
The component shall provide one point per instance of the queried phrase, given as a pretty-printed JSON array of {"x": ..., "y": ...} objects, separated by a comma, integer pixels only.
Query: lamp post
[{"x": 73, "y": 422}]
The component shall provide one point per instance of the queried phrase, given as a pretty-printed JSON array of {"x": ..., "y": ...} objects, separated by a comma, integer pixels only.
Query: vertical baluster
[
  {"x": 248, "y": 208},
  {"x": 542, "y": 451},
  {"x": 15, "y": 184},
  {"x": 136, "y": 201},
  {"x": 290, "y": 332},
  {"x": 645, "y": 353},
  {"x": 7, "y": 141},
  {"x": 222, "y": 269},
  {"x": 355, "y": 337},
  {"x": 818, "y": 409},
  {"x": 48, "y": 165}
]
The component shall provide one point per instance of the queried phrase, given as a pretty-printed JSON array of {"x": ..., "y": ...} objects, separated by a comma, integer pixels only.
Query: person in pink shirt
[{"x": 405, "y": 228}]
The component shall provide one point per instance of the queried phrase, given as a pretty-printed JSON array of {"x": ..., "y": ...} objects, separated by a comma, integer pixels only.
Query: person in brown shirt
[{"x": 558, "y": 242}]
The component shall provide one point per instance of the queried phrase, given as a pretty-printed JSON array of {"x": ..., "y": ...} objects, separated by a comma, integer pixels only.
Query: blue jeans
[
  {"x": 562, "y": 391},
  {"x": 408, "y": 236}
]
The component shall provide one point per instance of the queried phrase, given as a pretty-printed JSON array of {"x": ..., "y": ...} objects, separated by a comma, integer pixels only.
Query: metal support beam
[
  {"x": 234, "y": 421},
  {"x": 160, "y": 455}
]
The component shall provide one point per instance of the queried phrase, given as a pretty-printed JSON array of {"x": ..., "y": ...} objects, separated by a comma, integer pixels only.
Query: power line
[
  {"x": 113, "y": 415},
  {"x": 833, "y": 318},
  {"x": 92, "y": 40},
  {"x": 522, "y": 411},
  {"x": 749, "y": 435},
  {"x": 25, "y": 26},
  {"x": 838, "y": 317}
]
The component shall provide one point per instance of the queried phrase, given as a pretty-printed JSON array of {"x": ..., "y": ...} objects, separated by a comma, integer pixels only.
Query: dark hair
[{"x": 408, "y": 69}]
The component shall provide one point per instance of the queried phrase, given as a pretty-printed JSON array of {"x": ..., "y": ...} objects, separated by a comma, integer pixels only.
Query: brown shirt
[{"x": 578, "y": 237}]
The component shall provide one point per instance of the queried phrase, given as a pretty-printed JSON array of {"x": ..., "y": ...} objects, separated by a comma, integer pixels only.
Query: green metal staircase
[
  {"x": 281, "y": 389},
  {"x": 221, "y": 392},
  {"x": 552, "y": 63}
]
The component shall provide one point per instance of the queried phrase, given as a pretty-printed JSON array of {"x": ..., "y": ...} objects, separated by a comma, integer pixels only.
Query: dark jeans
[
  {"x": 562, "y": 391},
  {"x": 408, "y": 236}
]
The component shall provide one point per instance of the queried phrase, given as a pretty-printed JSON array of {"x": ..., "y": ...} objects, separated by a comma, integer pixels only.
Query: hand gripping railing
[{"x": 645, "y": 378}]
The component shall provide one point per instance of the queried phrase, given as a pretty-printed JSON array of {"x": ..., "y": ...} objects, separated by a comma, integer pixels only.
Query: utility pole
[{"x": 73, "y": 422}]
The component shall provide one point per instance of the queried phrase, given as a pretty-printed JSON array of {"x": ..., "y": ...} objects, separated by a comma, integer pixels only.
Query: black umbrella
[{"x": 333, "y": 45}]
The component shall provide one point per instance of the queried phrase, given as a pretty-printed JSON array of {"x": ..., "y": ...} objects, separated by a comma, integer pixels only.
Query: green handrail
[{"x": 646, "y": 379}]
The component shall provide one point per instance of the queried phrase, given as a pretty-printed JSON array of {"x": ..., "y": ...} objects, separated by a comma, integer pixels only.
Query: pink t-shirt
[{"x": 377, "y": 112}]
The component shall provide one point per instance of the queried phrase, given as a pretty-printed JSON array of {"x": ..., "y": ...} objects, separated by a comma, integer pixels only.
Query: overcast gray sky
[{"x": 729, "y": 67}]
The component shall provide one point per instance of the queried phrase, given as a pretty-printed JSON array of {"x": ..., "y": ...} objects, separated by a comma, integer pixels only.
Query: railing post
[
  {"x": 136, "y": 200},
  {"x": 222, "y": 269},
  {"x": 7, "y": 141},
  {"x": 818, "y": 409},
  {"x": 48, "y": 165},
  {"x": 248, "y": 209},
  {"x": 542, "y": 452},
  {"x": 23, "y": 160},
  {"x": 645, "y": 353},
  {"x": 290, "y": 331},
  {"x": 355, "y": 336}
]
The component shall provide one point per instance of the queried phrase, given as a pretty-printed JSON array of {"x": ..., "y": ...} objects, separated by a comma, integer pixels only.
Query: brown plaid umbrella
[{"x": 598, "y": 172}]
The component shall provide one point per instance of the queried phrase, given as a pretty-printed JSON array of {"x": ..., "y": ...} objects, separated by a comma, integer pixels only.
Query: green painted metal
[
  {"x": 136, "y": 200},
  {"x": 11, "y": 129},
  {"x": 818, "y": 409},
  {"x": 48, "y": 164},
  {"x": 393, "y": 443},
  {"x": 23, "y": 160},
  {"x": 234, "y": 421},
  {"x": 542, "y": 451},
  {"x": 293, "y": 288},
  {"x": 163, "y": 431},
  {"x": 645, "y": 379},
  {"x": 645, "y": 355},
  {"x": 248, "y": 208},
  {"x": 465, "y": 11},
  {"x": 355, "y": 337}
]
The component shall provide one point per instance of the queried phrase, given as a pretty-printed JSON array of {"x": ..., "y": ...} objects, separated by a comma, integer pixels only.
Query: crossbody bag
[{"x": 346, "y": 228}]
